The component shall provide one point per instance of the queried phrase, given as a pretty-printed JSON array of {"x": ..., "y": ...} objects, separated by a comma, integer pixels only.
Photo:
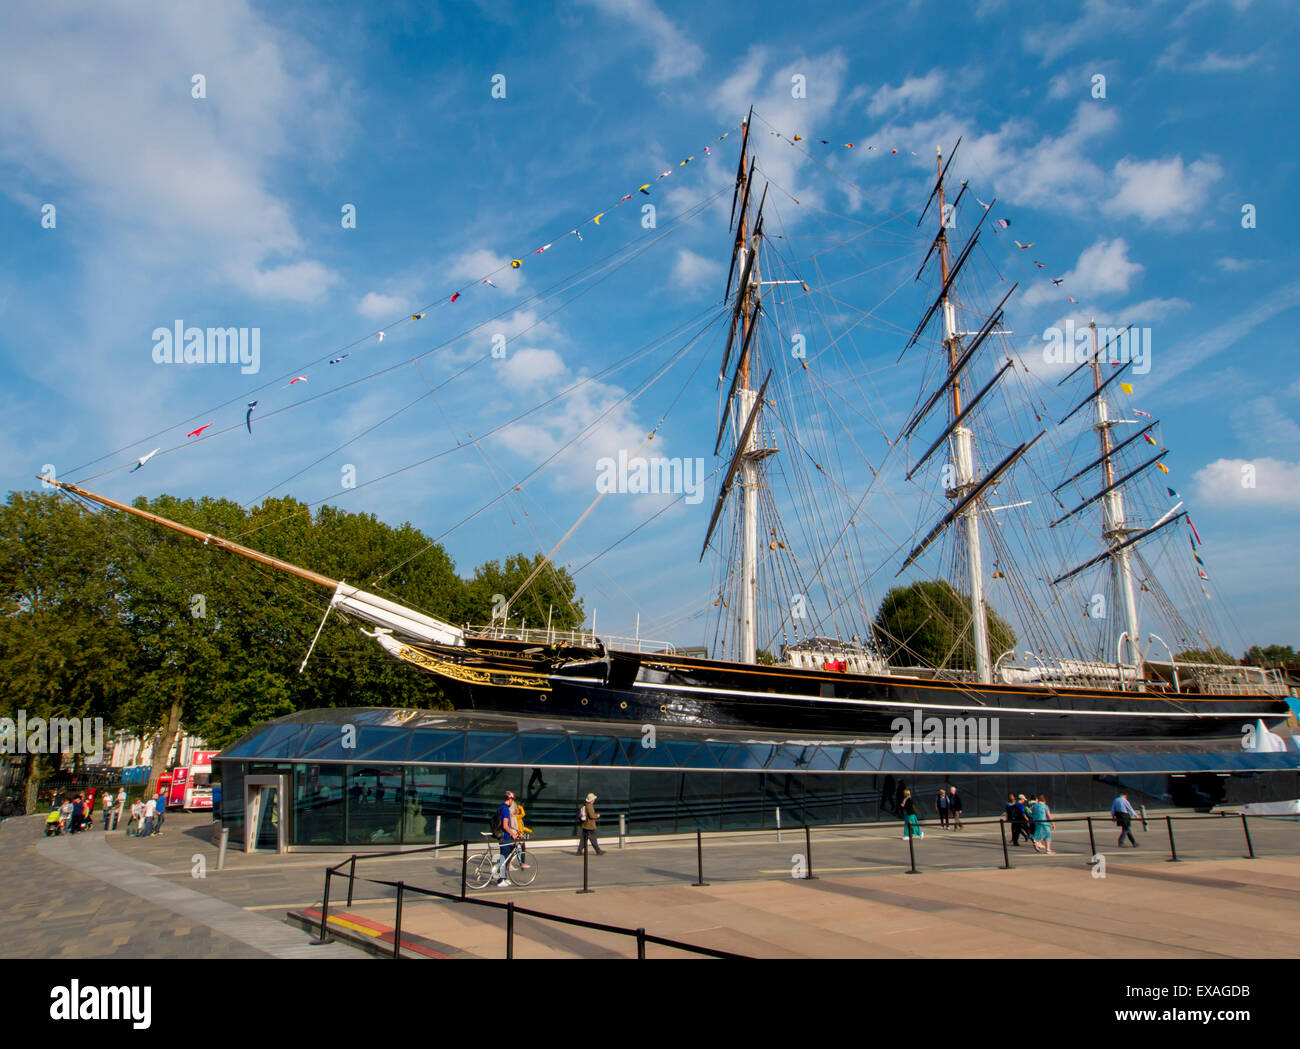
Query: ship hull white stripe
[{"x": 937, "y": 706}]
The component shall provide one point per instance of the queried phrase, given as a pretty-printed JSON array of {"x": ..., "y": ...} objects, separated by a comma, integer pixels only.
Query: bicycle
[{"x": 481, "y": 869}]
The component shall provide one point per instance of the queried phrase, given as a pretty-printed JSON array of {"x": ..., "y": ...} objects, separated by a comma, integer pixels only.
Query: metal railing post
[
  {"x": 586, "y": 853},
  {"x": 640, "y": 945},
  {"x": 437, "y": 835},
  {"x": 221, "y": 849},
  {"x": 1142, "y": 809},
  {"x": 778, "y": 824},
  {"x": 1092, "y": 841},
  {"x": 510, "y": 930},
  {"x": 397, "y": 931},
  {"x": 1006, "y": 857},
  {"x": 352, "y": 878},
  {"x": 1246, "y": 827},
  {"x": 699, "y": 859},
  {"x": 622, "y": 829},
  {"x": 1173, "y": 851},
  {"x": 807, "y": 850},
  {"x": 911, "y": 847},
  {"x": 324, "y": 911},
  {"x": 464, "y": 865}
]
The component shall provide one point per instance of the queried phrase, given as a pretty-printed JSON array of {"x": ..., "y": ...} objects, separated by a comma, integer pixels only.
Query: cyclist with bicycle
[{"x": 505, "y": 819}]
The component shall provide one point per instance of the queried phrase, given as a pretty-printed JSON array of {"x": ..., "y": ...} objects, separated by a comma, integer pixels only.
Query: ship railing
[{"x": 579, "y": 638}]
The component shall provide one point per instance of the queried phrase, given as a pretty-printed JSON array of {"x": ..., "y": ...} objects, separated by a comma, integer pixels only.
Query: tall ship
[{"x": 1049, "y": 513}]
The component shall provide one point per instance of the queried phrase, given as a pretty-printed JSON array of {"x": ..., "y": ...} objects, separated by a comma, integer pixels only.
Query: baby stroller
[{"x": 53, "y": 823}]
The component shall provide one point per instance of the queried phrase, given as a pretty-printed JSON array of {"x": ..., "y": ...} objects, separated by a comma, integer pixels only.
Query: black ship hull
[{"x": 658, "y": 689}]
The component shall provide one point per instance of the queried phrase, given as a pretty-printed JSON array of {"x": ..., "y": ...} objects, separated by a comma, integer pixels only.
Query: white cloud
[
  {"x": 1052, "y": 39},
  {"x": 914, "y": 91},
  {"x": 1260, "y": 422},
  {"x": 1250, "y": 482},
  {"x": 1158, "y": 190},
  {"x": 697, "y": 273},
  {"x": 1231, "y": 265},
  {"x": 675, "y": 54},
  {"x": 1102, "y": 269},
  {"x": 170, "y": 178},
  {"x": 529, "y": 366},
  {"x": 377, "y": 307}
]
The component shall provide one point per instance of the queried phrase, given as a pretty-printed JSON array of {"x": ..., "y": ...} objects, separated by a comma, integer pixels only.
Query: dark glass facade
[{"x": 369, "y": 778}]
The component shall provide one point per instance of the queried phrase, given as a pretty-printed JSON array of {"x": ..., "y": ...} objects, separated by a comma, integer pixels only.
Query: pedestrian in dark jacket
[
  {"x": 941, "y": 805},
  {"x": 954, "y": 807}
]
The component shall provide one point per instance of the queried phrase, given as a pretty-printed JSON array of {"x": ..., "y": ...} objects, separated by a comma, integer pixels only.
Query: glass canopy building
[{"x": 369, "y": 778}]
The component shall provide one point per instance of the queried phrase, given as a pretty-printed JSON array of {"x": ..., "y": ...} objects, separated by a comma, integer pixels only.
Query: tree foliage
[
  {"x": 1271, "y": 656},
  {"x": 928, "y": 623},
  {"x": 107, "y": 615}
]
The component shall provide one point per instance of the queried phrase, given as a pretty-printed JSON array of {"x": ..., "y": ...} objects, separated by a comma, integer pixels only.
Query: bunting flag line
[
  {"x": 1056, "y": 281},
  {"x": 143, "y": 459},
  {"x": 1127, "y": 387},
  {"x": 455, "y": 295},
  {"x": 1172, "y": 493},
  {"x": 1024, "y": 247},
  {"x": 1194, "y": 531},
  {"x": 417, "y": 316},
  {"x": 248, "y": 418},
  {"x": 337, "y": 359},
  {"x": 380, "y": 337},
  {"x": 1145, "y": 415},
  {"x": 301, "y": 378},
  {"x": 1149, "y": 439},
  {"x": 1162, "y": 468},
  {"x": 195, "y": 433},
  {"x": 1201, "y": 572}
]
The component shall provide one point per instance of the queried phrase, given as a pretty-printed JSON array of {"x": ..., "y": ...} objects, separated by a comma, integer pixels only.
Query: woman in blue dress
[{"x": 1042, "y": 817}]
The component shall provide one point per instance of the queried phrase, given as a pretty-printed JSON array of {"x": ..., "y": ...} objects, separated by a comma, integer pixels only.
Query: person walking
[
  {"x": 137, "y": 815},
  {"x": 150, "y": 810},
  {"x": 505, "y": 820},
  {"x": 78, "y": 814},
  {"x": 941, "y": 806},
  {"x": 1013, "y": 815},
  {"x": 954, "y": 807},
  {"x": 911, "y": 825},
  {"x": 1122, "y": 812},
  {"x": 1042, "y": 825},
  {"x": 160, "y": 806},
  {"x": 588, "y": 817},
  {"x": 108, "y": 810}
]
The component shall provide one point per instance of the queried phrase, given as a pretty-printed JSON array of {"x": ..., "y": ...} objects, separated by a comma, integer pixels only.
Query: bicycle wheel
[
  {"x": 520, "y": 874},
  {"x": 479, "y": 872}
]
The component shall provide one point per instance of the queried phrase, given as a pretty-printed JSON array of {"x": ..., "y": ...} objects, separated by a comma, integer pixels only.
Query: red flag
[
  {"x": 1193, "y": 528},
  {"x": 195, "y": 433},
  {"x": 455, "y": 296}
]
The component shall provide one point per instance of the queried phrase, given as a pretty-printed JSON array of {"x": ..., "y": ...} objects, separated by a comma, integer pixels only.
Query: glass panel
[
  {"x": 432, "y": 794},
  {"x": 485, "y": 789},
  {"x": 537, "y": 747},
  {"x": 821, "y": 761},
  {"x": 426, "y": 742},
  {"x": 550, "y": 799},
  {"x": 318, "y": 804},
  {"x": 382, "y": 744},
  {"x": 281, "y": 742},
  {"x": 480, "y": 743},
  {"x": 653, "y": 805},
  {"x": 593, "y": 750},
  {"x": 232, "y": 798},
  {"x": 700, "y": 804},
  {"x": 743, "y": 803},
  {"x": 784, "y": 790},
  {"x": 822, "y": 799},
  {"x": 374, "y": 805},
  {"x": 267, "y": 834},
  {"x": 507, "y": 752},
  {"x": 861, "y": 798}
]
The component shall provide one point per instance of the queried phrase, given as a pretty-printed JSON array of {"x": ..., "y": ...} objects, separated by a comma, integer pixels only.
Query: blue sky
[{"x": 226, "y": 210}]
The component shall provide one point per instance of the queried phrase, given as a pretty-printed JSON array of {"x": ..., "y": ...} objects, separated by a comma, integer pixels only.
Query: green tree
[
  {"x": 1271, "y": 656},
  {"x": 551, "y": 595},
  {"x": 1204, "y": 655},
  {"x": 920, "y": 624},
  {"x": 64, "y": 650}
]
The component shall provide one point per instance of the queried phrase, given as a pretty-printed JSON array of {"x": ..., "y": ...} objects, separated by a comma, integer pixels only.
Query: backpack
[
  {"x": 496, "y": 823},
  {"x": 582, "y": 813}
]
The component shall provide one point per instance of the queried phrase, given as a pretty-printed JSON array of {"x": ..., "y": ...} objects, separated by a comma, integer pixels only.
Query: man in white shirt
[{"x": 150, "y": 811}]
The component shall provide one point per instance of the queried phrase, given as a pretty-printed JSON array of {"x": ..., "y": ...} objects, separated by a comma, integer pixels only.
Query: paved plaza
[{"x": 92, "y": 895}]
